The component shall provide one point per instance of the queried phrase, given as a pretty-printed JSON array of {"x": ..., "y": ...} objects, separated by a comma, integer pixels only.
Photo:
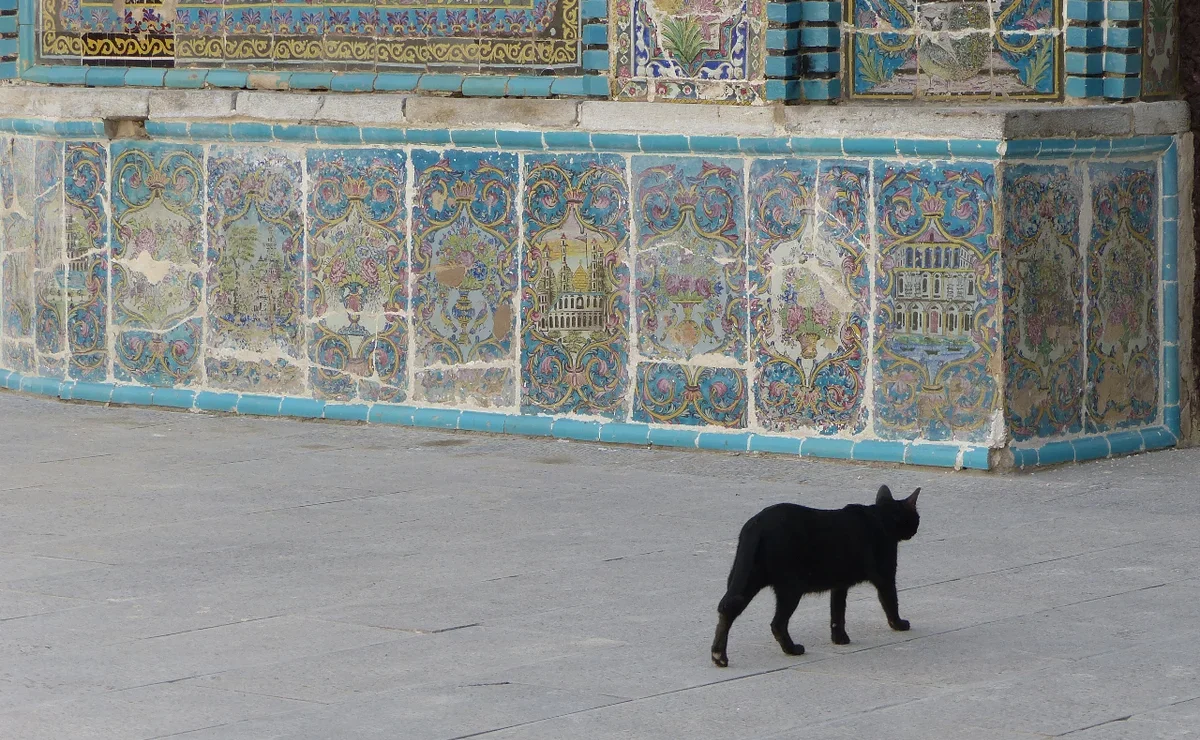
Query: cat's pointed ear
[
  {"x": 885, "y": 494},
  {"x": 911, "y": 501}
]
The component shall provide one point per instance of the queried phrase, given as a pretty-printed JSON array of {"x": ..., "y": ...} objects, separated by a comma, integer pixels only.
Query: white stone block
[
  {"x": 673, "y": 118},
  {"x": 493, "y": 113}
]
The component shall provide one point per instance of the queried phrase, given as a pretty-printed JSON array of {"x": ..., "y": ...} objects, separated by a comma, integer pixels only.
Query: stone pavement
[{"x": 207, "y": 578}]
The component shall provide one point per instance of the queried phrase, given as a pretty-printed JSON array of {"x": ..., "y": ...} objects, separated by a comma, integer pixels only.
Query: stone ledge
[{"x": 491, "y": 113}]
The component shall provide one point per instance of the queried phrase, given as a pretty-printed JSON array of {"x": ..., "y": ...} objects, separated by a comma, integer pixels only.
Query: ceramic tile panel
[
  {"x": 157, "y": 253},
  {"x": 48, "y": 253},
  {"x": 712, "y": 50},
  {"x": 465, "y": 233},
  {"x": 255, "y": 263},
  {"x": 492, "y": 387},
  {"x": 672, "y": 393},
  {"x": 937, "y": 322},
  {"x": 85, "y": 182},
  {"x": 358, "y": 274},
  {"x": 1043, "y": 295},
  {"x": 1161, "y": 54},
  {"x": 17, "y": 298},
  {"x": 810, "y": 294},
  {"x": 575, "y": 271},
  {"x": 1122, "y": 289}
]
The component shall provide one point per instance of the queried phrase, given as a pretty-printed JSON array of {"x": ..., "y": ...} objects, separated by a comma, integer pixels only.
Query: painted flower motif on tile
[
  {"x": 690, "y": 266},
  {"x": 462, "y": 386},
  {"x": 1161, "y": 54},
  {"x": 575, "y": 306},
  {"x": 85, "y": 180},
  {"x": 1123, "y": 329},
  {"x": 937, "y": 291},
  {"x": 809, "y": 294},
  {"x": 670, "y": 393},
  {"x": 358, "y": 261},
  {"x": 1043, "y": 290}
]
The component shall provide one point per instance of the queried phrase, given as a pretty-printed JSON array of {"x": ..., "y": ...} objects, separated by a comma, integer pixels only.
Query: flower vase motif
[
  {"x": 809, "y": 293},
  {"x": 17, "y": 302},
  {"x": 1161, "y": 54},
  {"x": 937, "y": 288},
  {"x": 576, "y": 276},
  {"x": 1123, "y": 345},
  {"x": 358, "y": 293},
  {"x": 465, "y": 266},
  {"x": 157, "y": 204},
  {"x": 85, "y": 179},
  {"x": 1043, "y": 288},
  {"x": 691, "y": 292}
]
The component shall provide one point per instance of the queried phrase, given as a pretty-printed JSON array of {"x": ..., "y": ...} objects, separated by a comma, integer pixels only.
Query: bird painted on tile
[{"x": 960, "y": 58}]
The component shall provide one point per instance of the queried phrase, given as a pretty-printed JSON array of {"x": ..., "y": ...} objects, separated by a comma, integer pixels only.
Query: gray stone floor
[{"x": 208, "y": 578}]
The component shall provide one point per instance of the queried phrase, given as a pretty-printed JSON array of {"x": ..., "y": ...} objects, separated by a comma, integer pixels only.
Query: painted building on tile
[{"x": 943, "y": 232}]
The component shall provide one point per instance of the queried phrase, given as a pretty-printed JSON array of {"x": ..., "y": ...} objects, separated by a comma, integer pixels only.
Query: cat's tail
[{"x": 739, "y": 591}]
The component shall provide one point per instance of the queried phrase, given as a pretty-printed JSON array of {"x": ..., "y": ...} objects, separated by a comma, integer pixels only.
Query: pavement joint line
[
  {"x": 213, "y": 627},
  {"x": 74, "y": 459},
  {"x": 1093, "y": 726}
]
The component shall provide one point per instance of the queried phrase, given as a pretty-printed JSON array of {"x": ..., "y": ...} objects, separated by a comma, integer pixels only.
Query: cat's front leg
[
  {"x": 837, "y": 616},
  {"x": 891, "y": 605}
]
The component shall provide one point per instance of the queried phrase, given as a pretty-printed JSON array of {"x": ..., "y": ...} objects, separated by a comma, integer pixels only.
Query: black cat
[{"x": 797, "y": 550}]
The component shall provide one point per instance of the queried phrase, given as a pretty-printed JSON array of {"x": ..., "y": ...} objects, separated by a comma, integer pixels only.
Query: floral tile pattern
[
  {"x": 670, "y": 393},
  {"x": 810, "y": 294},
  {"x": 158, "y": 248},
  {"x": 48, "y": 267},
  {"x": 491, "y": 387},
  {"x": 358, "y": 267},
  {"x": 1122, "y": 289},
  {"x": 1043, "y": 292},
  {"x": 464, "y": 257},
  {"x": 17, "y": 302},
  {"x": 575, "y": 271},
  {"x": 255, "y": 260},
  {"x": 937, "y": 290},
  {"x": 950, "y": 48},
  {"x": 706, "y": 50},
  {"x": 1161, "y": 54},
  {"x": 85, "y": 183}
]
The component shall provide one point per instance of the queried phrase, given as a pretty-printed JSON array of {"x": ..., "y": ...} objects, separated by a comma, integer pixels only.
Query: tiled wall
[{"x": 827, "y": 295}]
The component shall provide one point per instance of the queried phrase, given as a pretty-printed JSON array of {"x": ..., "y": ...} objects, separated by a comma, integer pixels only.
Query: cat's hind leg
[
  {"x": 730, "y": 608},
  {"x": 837, "y": 616},
  {"x": 787, "y": 597}
]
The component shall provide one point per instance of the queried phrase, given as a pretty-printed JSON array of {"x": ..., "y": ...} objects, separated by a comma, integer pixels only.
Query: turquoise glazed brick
[
  {"x": 827, "y": 37},
  {"x": 1056, "y": 148},
  {"x": 1171, "y": 418},
  {"x": 25, "y": 13},
  {"x": 95, "y": 392},
  {"x": 8, "y": 24},
  {"x": 391, "y": 414},
  {"x": 595, "y": 59},
  {"x": 40, "y": 385},
  {"x": 360, "y": 82},
  {"x": 596, "y": 86},
  {"x": 625, "y": 434},
  {"x": 209, "y": 131},
  {"x": 1023, "y": 148},
  {"x": 815, "y": 146},
  {"x": 784, "y": 12},
  {"x": 1090, "y": 448},
  {"x": 571, "y": 86},
  {"x": 255, "y": 405},
  {"x": 1171, "y": 244},
  {"x": 594, "y": 9},
  {"x": 1119, "y": 63},
  {"x": 783, "y": 65},
  {"x": 1170, "y": 180},
  {"x": 869, "y": 147},
  {"x": 784, "y": 90},
  {"x": 436, "y": 418},
  {"x": 175, "y": 398},
  {"x": 836, "y": 449},
  {"x": 1024, "y": 457},
  {"x": 974, "y": 148},
  {"x": 375, "y": 135},
  {"x": 294, "y": 132},
  {"x": 529, "y": 87},
  {"x": 1123, "y": 38},
  {"x": 477, "y": 137},
  {"x": 302, "y": 408},
  {"x": 574, "y": 140},
  {"x": 821, "y": 12},
  {"x": 390, "y": 82},
  {"x": 783, "y": 39},
  {"x": 723, "y": 441},
  {"x": 339, "y": 135},
  {"x": 673, "y": 437},
  {"x": 310, "y": 80},
  {"x": 481, "y": 421},
  {"x": 822, "y": 89},
  {"x": 346, "y": 411},
  {"x": 1170, "y": 312},
  {"x": 1085, "y": 37},
  {"x": 1121, "y": 88},
  {"x": 167, "y": 129},
  {"x": 583, "y": 431},
  {"x": 1125, "y": 10},
  {"x": 66, "y": 390},
  {"x": 185, "y": 78},
  {"x": 533, "y": 426},
  {"x": 931, "y": 148},
  {"x": 615, "y": 143},
  {"x": 879, "y": 451},
  {"x": 774, "y": 445},
  {"x": 1085, "y": 87},
  {"x": 1158, "y": 438},
  {"x": 937, "y": 456},
  {"x": 10, "y": 380},
  {"x": 596, "y": 34},
  {"x": 758, "y": 145},
  {"x": 977, "y": 458},
  {"x": 429, "y": 137},
  {"x": 227, "y": 78},
  {"x": 145, "y": 77},
  {"x": 78, "y": 129},
  {"x": 250, "y": 131},
  {"x": 490, "y": 86},
  {"x": 712, "y": 144},
  {"x": 216, "y": 401},
  {"x": 8, "y": 70},
  {"x": 1170, "y": 206},
  {"x": 827, "y": 62},
  {"x": 1084, "y": 63},
  {"x": 651, "y": 143},
  {"x": 1125, "y": 443},
  {"x": 1170, "y": 375},
  {"x": 1055, "y": 453},
  {"x": 105, "y": 77},
  {"x": 519, "y": 140},
  {"x": 132, "y": 395},
  {"x": 1091, "y": 11}
]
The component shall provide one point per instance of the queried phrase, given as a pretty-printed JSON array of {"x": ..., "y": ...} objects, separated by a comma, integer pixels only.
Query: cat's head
[{"x": 902, "y": 514}]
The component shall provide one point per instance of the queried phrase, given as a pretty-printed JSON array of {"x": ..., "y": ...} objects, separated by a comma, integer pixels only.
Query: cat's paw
[
  {"x": 795, "y": 649},
  {"x": 841, "y": 638},
  {"x": 900, "y": 625},
  {"x": 720, "y": 659}
]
